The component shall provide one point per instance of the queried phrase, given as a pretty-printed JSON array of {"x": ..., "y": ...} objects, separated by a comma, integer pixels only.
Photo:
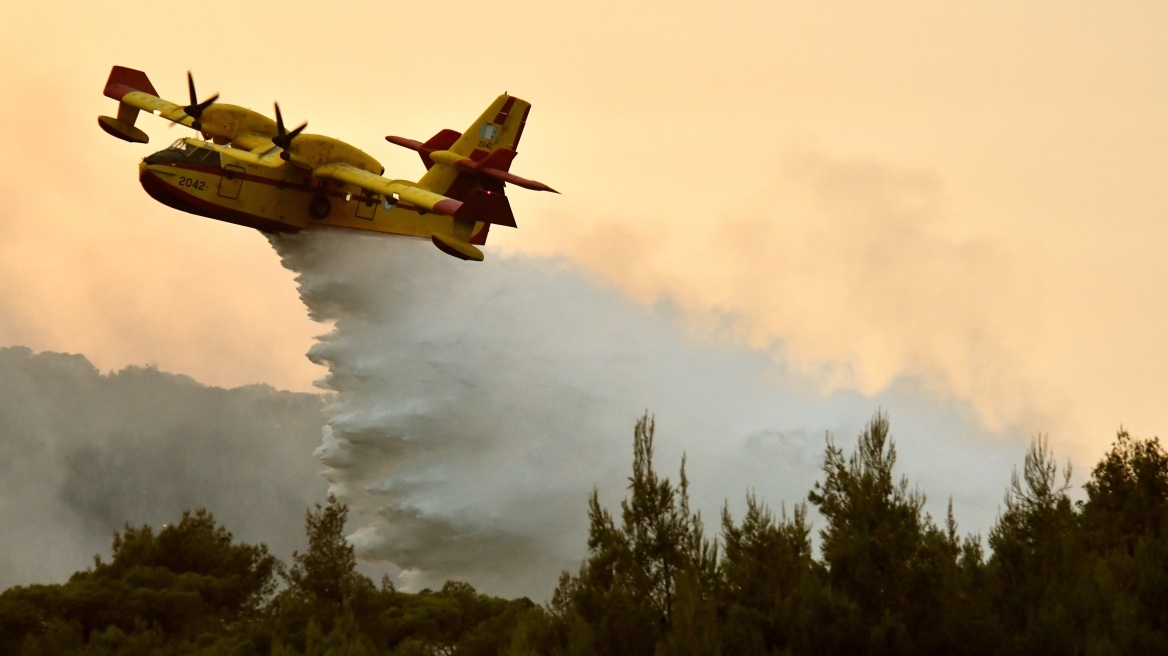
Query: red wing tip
[
  {"x": 447, "y": 206},
  {"x": 412, "y": 144},
  {"x": 122, "y": 77}
]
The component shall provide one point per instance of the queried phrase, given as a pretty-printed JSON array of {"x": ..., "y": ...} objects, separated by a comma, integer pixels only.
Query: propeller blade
[
  {"x": 283, "y": 138},
  {"x": 296, "y": 131},
  {"x": 287, "y": 140},
  {"x": 201, "y": 106},
  {"x": 279, "y": 121},
  {"x": 195, "y": 109}
]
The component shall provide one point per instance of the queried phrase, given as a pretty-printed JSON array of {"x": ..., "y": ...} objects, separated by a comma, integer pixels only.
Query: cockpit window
[
  {"x": 193, "y": 153},
  {"x": 207, "y": 156},
  {"x": 203, "y": 154},
  {"x": 184, "y": 151}
]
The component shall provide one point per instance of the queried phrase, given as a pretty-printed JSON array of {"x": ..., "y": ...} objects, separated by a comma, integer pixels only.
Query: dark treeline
[{"x": 1058, "y": 577}]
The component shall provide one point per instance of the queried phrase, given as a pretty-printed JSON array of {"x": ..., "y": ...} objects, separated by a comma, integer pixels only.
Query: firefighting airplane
[{"x": 250, "y": 170}]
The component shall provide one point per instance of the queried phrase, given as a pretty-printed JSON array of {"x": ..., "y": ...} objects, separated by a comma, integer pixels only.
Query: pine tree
[
  {"x": 326, "y": 574},
  {"x": 1124, "y": 522},
  {"x": 161, "y": 590},
  {"x": 623, "y": 600},
  {"x": 768, "y": 577},
  {"x": 1032, "y": 566},
  {"x": 880, "y": 549},
  {"x": 1127, "y": 496},
  {"x": 324, "y": 587}
]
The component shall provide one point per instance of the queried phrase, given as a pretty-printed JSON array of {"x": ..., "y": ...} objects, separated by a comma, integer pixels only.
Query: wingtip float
[{"x": 250, "y": 170}]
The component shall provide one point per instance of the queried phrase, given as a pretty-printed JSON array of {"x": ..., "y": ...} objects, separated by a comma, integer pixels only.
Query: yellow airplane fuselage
[
  {"x": 204, "y": 179},
  {"x": 252, "y": 171}
]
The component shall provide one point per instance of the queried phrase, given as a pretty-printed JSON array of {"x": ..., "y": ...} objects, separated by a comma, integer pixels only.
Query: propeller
[
  {"x": 195, "y": 109},
  {"x": 283, "y": 138}
]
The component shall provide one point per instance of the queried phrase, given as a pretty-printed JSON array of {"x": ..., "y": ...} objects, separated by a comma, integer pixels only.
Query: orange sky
[{"x": 968, "y": 194}]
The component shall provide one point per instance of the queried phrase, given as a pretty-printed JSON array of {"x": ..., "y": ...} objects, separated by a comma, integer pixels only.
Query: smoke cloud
[
  {"x": 82, "y": 453},
  {"x": 478, "y": 405},
  {"x": 857, "y": 271}
]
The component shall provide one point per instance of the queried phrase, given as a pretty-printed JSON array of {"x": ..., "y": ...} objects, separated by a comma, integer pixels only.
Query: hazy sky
[{"x": 964, "y": 195}]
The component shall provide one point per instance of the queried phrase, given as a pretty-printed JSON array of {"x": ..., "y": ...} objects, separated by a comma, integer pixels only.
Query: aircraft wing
[
  {"x": 134, "y": 93},
  {"x": 219, "y": 122},
  {"x": 253, "y": 141},
  {"x": 133, "y": 88},
  {"x": 481, "y": 205},
  {"x": 404, "y": 190},
  {"x": 261, "y": 155},
  {"x": 158, "y": 107}
]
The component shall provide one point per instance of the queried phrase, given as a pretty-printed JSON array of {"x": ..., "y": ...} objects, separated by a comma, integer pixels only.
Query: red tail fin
[
  {"x": 487, "y": 207},
  {"x": 123, "y": 80}
]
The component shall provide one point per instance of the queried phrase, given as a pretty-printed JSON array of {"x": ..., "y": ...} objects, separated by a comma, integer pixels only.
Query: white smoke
[
  {"x": 477, "y": 405},
  {"x": 82, "y": 453}
]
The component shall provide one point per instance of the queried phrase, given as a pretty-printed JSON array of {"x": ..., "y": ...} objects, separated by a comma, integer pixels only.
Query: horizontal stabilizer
[
  {"x": 506, "y": 176},
  {"x": 497, "y": 165},
  {"x": 441, "y": 141},
  {"x": 499, "y": 158}
]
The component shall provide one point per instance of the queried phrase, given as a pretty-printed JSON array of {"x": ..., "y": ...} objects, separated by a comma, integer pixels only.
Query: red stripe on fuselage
[
  {"x": 172, "y": 197},
  {"x": 280, "y": 183}
]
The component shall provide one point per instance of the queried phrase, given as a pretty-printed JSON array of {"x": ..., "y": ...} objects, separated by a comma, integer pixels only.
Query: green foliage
[
  {"x": 1033, "y": 549},
  {"x": 767, "y": 576},
  {"x": 187, "y": 580},
  {"x": 882, "y": 553},
  {"x": 326, "y": 575},
  {"x": 234, "y": 579},
  {"x": 1127, "y": 496},
  {"x": 623, "y": 600},
  {"x": 457, "y": 619},
  {"x": 330, "y": 608},
  {"x": 1124, "y": 546},
  {"x": 324, "y": 589},
  {"x": 1088, "y": 578}
]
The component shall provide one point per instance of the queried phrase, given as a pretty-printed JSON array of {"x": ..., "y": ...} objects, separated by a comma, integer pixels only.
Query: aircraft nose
[
  {"x": 144, "y": 171},
  {"x": 149, "y": 174},
  {"x": 156, "y": 185}
]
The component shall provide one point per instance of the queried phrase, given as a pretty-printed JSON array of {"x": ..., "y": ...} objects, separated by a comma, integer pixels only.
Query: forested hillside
[{"x": 1052, "y": 577}]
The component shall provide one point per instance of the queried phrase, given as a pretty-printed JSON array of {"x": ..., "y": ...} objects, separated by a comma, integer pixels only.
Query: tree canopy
[{"x": 884, "y": 577}]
